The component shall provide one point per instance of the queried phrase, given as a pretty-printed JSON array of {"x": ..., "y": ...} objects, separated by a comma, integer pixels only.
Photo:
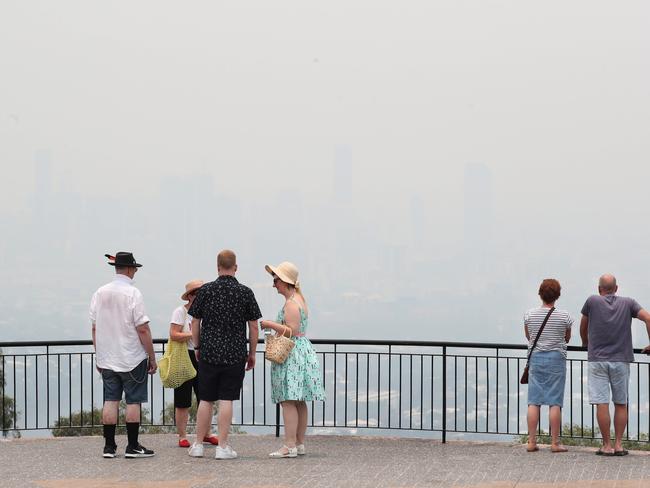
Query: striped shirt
[{"x": 552, "y": 338}]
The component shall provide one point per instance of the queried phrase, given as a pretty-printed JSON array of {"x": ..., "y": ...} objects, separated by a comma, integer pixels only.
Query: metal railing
[{"x": 467, "y": 389}]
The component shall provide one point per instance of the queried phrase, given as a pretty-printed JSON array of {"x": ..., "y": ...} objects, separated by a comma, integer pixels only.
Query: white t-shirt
[
  {"x": 117, "y": 309},
  {"x": 181, "y": 317}
]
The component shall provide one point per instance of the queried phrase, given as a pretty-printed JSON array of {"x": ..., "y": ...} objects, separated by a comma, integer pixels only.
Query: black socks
[
  {"x": 132, "y": 429},
  {"x": 109, "y": 435}
]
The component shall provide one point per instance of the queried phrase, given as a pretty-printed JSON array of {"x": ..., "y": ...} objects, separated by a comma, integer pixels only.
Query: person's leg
[
  {"x": 229, "y": 383},
  {"x": 620, "y": 380},
  {"x": 133, "y": 423},
  {"x": 555, "y": 395},
  {"x": 203, "y": 419},
  {"x": 290, "y": 416},
  {"x": 109, "y": 413},
  {"x": 109, "y": 419},
  {"x": 620, "y": 422},
  {"x": 135, "y": 393},
  {"x": 555, "y": 417},
  {"x": 302, "y": 422},
  {"x": 533, "y": 422},
  {"x": 112, "y": 387},
  {"x": 599, "y": 388},
  {"x": 604, "y": 422},
  {"x": 182, "y": 403},
  {"x": 224, "y": 421},
  {"x": 181, "y": 417},
  {"x": 195, "y": 387}
]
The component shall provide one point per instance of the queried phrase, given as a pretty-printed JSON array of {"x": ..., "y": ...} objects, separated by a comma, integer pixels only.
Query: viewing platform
[
  {"x": 331, "y": 461},
  {"x": 450, "y": 413}
]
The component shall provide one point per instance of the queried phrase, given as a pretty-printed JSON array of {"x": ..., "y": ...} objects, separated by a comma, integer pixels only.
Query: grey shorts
[
  {"x": 133, "y": 383},
  {"x": 604, "y": 375}
]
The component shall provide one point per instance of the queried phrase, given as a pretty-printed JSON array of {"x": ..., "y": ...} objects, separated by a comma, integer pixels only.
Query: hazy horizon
[{"x": 425, "y": 165}]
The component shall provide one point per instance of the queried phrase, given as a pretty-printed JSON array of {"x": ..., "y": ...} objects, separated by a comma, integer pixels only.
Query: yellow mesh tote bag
[{"x": 175, "y": 366}]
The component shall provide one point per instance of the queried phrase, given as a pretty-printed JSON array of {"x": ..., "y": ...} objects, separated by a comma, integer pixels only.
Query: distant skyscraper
[
  {"x": 342, "y": 173},
  {"x": 42, "y": 183},
  {"x": 478, "y": 218}
]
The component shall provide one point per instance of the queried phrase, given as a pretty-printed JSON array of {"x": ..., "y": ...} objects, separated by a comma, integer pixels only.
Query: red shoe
[
  {"x": 183, "y": 443},
  {"x": 213, "y": 439}
]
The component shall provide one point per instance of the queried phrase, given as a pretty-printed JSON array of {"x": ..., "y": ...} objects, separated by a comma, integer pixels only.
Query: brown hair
[
  {"x": 549, "y": 290},
  {"x": 226, "y": 259}
]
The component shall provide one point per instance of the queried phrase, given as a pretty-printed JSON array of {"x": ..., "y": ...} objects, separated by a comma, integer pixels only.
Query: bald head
[{"x": 607, "y": 284}]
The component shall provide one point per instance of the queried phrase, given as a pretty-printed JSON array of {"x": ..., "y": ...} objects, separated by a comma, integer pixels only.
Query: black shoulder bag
[{"x": 524, "y": 376}]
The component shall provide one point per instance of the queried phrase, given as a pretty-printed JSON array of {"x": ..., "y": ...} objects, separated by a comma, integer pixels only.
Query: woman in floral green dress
[{"x": 298, "y": 379}]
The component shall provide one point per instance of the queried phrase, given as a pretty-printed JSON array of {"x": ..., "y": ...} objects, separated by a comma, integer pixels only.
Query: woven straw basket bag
[
  {"x": 278, "y": 347},
  {"x": 175, "y": 366}
]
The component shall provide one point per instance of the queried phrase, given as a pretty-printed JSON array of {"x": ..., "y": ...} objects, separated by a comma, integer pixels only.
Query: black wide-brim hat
[{"x": 122, "y": 260}]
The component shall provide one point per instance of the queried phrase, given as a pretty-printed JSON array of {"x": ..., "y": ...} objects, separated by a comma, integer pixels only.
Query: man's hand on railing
[{"x": 646, "y": 350}]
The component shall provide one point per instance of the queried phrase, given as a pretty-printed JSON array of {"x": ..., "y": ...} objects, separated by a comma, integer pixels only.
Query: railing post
[
  {"x": 444, "y": 394},
  {"x": 277, "y": 420}
]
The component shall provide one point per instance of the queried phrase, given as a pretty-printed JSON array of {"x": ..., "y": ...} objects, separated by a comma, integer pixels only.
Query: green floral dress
[{"x": 299, "y": 377}]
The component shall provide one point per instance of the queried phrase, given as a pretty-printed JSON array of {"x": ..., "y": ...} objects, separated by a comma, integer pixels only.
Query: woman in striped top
[{"x": 547, "y": 371}]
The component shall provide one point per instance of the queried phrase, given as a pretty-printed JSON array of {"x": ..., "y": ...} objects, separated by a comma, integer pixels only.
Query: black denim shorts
[
  {"x": 220, "y": 382},
  {"x": 132, "y": 383}
]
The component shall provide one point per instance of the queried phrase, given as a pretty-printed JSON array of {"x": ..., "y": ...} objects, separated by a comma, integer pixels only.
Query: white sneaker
[
  {"x": 224, "y": 453},
  {"x": 301, "y": 449},
  {"x": 292, "y": 452},
  {"x": 196, "y": 450}
]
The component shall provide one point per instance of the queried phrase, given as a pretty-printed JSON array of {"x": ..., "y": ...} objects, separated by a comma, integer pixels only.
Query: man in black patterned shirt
[{"x": 220, "y": 312}]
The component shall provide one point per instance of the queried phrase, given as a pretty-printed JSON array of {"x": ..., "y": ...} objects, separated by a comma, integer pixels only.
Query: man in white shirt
[{"x": 124, "y": 352}]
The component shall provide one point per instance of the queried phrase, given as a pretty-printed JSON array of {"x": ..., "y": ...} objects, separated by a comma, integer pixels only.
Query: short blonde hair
[{"x": 226, "y": 259}]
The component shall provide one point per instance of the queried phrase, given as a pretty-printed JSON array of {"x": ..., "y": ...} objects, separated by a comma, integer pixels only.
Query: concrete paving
[{"x": 331, "y": 461}]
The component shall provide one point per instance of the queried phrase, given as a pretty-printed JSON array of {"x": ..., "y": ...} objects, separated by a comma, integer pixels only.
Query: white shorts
[{"x": 606, "y": 374}]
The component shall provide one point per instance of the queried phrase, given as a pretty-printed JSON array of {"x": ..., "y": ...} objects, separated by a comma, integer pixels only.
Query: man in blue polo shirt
[{"x": 606, "y": 332}]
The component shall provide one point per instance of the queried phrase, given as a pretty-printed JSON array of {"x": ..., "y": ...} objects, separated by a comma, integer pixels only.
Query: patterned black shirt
[{"x": 224, "y": 306}]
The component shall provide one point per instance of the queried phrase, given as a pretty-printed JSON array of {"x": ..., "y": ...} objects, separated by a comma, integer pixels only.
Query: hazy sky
[{"x": 424, "y": 163}]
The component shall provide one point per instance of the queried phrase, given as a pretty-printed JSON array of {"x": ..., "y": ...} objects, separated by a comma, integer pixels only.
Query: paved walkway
[{"x": 343, "y": 461}]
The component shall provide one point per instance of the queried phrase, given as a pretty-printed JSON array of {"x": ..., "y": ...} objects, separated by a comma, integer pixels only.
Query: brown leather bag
[{"x": 524, "y": 376}]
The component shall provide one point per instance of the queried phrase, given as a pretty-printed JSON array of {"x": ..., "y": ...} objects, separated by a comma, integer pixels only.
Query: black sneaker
[
  {"x": 110, "y": 451},
  {"x": 138, "y": 452}
]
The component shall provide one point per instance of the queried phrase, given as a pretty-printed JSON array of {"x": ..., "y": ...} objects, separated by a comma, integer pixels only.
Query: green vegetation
[
  {"x": 82, "y": 423},
  {"x": 8, "y": 404},
  {"x": 75, "y": 426},
  {"x": 584, "y": 436}
]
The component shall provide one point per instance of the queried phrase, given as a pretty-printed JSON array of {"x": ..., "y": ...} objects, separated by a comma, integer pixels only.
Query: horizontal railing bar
[{"x": 343, "y": 342}]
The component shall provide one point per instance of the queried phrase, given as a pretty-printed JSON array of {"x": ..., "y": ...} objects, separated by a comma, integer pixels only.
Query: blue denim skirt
[{"x": 546, "y": 378}]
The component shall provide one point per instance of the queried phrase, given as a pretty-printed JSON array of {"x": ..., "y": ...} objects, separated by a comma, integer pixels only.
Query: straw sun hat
[
  {"x": 286, "y": 271},
  {"x": 190, "y": 287}
]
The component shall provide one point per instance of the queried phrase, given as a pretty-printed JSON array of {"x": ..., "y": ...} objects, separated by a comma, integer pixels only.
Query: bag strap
[
  {"x": 286, "y": 327},
  {"x": 539, "y": 334}
]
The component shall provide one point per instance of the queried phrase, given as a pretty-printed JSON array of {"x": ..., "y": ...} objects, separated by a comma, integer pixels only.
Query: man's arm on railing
[
  {"x": 584, "y": 330},
  {"x": 644, "y": 315}
]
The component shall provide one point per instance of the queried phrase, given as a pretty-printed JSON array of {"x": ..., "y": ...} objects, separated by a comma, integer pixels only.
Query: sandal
[
  {"x": 284, "y": 452},
  {"x": 600, "y": 452}
]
